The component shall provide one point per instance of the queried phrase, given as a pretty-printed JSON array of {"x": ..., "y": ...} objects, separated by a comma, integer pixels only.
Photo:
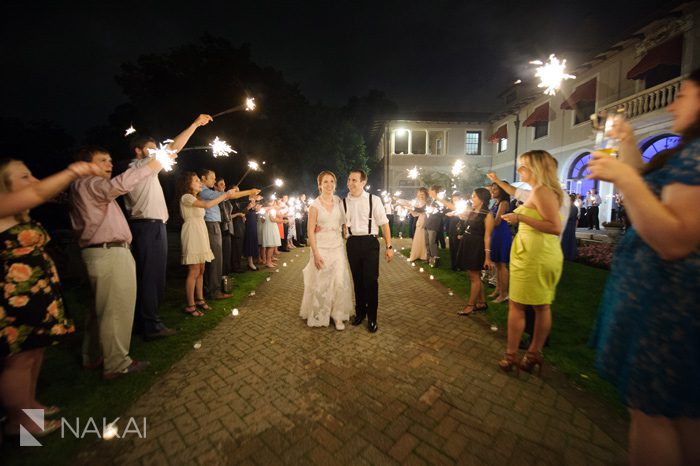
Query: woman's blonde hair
[
  {"x": 544, "y": 171},
  {"x": 5, "y": 184},
  {"x": 320, "y": 176}
]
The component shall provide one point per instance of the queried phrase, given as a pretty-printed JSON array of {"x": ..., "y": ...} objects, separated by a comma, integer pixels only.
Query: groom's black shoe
[
  {"x": 357, "y": 320},
  {"x": 372, "y": 327}
]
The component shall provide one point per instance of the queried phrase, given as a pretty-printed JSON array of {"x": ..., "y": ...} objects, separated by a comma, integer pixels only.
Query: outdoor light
[{"x": 400, "y": 131}]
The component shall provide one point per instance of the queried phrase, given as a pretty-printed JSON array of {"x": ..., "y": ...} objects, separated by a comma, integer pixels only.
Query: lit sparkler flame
[
  {"x": 441, "y": 195},
  {"x": 221, "y": 148},
  {"x": 461, "y": 206},
  {"x": 253, "y": 165},
  {"x": 130, "y": 130},
  {"x": 162, "y": 154},
  {"x": 249, "y": 104},
  {"x": 413, "y": 173},
  {"x": 397, "y": 193},
  {"x": 279, "y": 182},
  {"x": 457, "y": 168},
  {"x": 551, "y": 74}
]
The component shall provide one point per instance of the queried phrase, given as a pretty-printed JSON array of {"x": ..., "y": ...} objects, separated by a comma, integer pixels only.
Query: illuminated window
[
  {"x": 502, "y": 144},
  {"x": 472, "y": 143}
]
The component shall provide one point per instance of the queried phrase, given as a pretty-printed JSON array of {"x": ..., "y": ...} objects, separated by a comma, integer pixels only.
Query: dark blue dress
[
  {"x": 501, "y": 238},
  {"x": 568, "y": 239},
  {"x": 648, "y": 329},
  {"x": 250, "y": 238}
]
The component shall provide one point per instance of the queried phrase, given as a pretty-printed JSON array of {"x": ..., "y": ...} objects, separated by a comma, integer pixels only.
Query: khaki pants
[{"x": 108, "y": 325}]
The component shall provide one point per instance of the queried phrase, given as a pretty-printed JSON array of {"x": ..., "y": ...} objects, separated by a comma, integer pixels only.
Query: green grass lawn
[
  {"x": 83, "y": 394},
  {"x": 573, "y": 314}
]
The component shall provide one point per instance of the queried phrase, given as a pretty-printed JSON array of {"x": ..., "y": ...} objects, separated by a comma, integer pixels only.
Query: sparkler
[
  {"x": 163, "y": 153},
  {"x": 278, "y": 182},
  {"x": 461, "y": 206},
  {"x": 252, "y": 166},
  {"x": 221, "y": 148},
  {"x": 457, "y": 168},
  {"x": 130, "y": 130},
  {"x": 551, "y": 74},
  {"x": 413, "y": 173},
  {"x": 248, "y": 106}
]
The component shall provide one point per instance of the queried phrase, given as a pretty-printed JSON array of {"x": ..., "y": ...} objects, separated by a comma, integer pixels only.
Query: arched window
[
  {"x": 657, "y": 144},
  {"x": 577, "y": 175}
]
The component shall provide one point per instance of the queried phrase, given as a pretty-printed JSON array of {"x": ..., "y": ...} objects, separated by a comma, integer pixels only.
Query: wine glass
[{"x": 602, "y": 123}]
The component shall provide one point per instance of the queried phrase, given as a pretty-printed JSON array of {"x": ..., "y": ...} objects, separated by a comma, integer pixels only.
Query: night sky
[{"x": 59, "y": 59}]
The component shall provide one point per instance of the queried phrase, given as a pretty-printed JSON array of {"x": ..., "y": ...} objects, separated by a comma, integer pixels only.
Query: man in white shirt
[
  {"x": 148, "y": 213},
  {"x": 364, "y": 215},
  {"x": 594, "y": 201}
]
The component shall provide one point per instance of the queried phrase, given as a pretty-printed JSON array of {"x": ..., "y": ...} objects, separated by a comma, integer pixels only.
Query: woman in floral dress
[{"x": 32, "y": 314}]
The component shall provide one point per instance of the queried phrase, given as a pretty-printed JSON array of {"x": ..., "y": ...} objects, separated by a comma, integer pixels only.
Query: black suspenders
[{"x": 369, "y": 226}]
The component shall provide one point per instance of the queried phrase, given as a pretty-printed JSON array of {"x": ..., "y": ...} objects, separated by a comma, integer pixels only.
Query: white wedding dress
[{"x": 328, "y": 291}]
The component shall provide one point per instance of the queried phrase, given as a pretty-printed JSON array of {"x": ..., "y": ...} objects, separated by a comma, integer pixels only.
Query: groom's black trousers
[{"x": 363, "y": 255}]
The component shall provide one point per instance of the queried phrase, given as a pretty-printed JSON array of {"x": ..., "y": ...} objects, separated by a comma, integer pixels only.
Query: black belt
[
  {"x": 146, "y": 220},
  {"x": 112, "y": 244},
  {"x": 362, "y": 236}
]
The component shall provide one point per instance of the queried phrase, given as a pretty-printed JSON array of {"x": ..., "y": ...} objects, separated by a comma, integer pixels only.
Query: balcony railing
[{"x": 647, "y": 101}]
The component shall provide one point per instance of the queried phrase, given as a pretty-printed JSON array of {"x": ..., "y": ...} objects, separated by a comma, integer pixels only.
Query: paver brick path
[{"x": 266, "y": 389}]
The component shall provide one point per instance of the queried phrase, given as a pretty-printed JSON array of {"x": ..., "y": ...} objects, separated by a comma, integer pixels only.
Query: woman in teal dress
[
  {"x": 648, "y": 329},
  {"x": 536, "y": 259}
]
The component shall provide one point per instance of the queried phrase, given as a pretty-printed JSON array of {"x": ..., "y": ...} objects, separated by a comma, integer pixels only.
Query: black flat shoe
[
  {"x": 357, "y": 320},
  {"x": 372, "y": 327}
]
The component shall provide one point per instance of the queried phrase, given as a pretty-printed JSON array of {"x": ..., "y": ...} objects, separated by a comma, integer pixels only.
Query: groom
[{"x": 364, "y": 214}]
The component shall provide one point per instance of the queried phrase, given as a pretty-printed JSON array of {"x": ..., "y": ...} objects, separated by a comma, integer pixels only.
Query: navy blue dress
[
  {"x": 648, "y": 329},
  {"x": 250, "y": 238},
  {"x": 568, "y": 239},
  {"x": 501, "y": 238}
]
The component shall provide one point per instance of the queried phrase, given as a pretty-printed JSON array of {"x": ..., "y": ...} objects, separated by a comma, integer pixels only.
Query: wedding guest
[
  {"x": 536, "y": 258},
  {"x": 105, "y": 241},
  {"x": 226, "y": 226},
  {"x": 148, "y": 214},
  {"x": 648, "y": 329},
  {"x": 501, "y": 240},
  {"x": 250, "y": 246},
  {"x": 196, "y": 243},
  {"x": 33, "y": 315},
  {"x": 594, "y": 201},
  {"x": 452, "y": 230},
  {"x": 238, "y": 213},
  {"x": 416, "y": 210},
  {"x": 270, "y": 234},
  {"x": 568, "y": 240},
  {"x": 433, "y": 224},
  {"x": 475, "y": 247},
  {"x": 213, "y": 271}
]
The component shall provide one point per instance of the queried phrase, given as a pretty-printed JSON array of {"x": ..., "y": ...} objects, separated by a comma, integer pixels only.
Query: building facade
[{"x": 638, "y": 76}]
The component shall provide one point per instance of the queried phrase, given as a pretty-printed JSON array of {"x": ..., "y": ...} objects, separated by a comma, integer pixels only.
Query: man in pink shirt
[{"x": 105, "y": 240}]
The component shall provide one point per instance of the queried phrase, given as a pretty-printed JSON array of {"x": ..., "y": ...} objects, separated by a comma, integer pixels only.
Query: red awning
[
  {"x": 502, "y": 133},
  {"x": 585, "y": 91},
  {"x": 668, "y": 53},
  {"x": 541, "y": 113}
]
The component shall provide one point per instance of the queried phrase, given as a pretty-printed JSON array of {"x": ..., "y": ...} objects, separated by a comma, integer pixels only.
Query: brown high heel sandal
[
  {"x": 509, "y": 362},
  {"x": 532, "y": 360}
]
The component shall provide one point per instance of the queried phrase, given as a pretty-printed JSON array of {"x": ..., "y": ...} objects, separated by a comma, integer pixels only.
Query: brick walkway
[{"x": 266, "y": 389}]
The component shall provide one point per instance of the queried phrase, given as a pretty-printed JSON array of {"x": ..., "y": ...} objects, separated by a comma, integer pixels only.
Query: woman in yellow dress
[{"x": 536, "y": 258}]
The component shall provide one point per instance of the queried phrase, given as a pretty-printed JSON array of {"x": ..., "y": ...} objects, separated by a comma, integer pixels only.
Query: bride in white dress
[{"x": 327, "y": 279}]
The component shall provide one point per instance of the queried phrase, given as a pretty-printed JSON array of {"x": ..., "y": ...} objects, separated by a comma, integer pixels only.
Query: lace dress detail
[
  {"x": 328, "y": 292},
  {"x": 648, "y": 329}
]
